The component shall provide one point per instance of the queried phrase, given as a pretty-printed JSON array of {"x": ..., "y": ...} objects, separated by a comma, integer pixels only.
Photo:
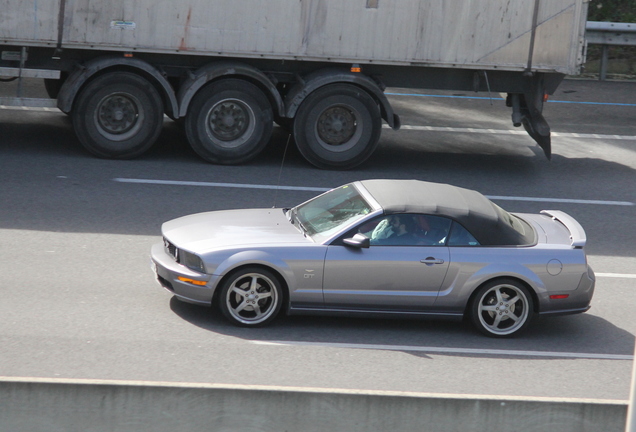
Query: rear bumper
[
  {"x": 578, "y": 300},
  {"x": 565, "y": 311},
  {"x": 168, "y": 271}
]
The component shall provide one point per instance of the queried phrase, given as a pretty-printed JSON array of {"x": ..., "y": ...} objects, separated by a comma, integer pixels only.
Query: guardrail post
[
  {"x": 604, "y": 60},
  {"x": 606, "y": 34}
]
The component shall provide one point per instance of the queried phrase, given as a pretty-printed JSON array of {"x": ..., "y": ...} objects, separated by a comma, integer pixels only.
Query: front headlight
[{"x": 191, "y": 261}]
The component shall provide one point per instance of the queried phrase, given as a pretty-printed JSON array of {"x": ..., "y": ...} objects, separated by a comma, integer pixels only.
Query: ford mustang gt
[{"x": 383, "y": 248}]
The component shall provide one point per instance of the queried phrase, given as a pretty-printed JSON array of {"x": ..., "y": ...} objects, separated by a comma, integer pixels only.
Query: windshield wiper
[{"x": 294, "y": 218}]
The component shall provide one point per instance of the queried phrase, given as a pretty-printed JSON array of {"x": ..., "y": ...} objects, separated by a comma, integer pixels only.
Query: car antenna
[{"x": 280, "y": 172}]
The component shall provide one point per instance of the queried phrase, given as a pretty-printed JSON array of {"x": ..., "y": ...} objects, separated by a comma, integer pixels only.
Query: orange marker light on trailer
[{"x": 356, "y": 68}]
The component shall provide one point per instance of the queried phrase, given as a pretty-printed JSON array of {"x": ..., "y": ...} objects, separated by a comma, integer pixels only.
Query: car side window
[
  {"x": 407, "y": 229},
  {"x": 459, "y": 236}
]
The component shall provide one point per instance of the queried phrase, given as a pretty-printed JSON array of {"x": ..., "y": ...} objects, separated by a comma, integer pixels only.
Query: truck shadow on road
[{"x": 36, "y": 157}]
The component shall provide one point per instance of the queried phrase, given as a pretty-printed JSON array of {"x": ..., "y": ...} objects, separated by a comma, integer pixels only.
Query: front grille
[{"x": 171, "y": 249}]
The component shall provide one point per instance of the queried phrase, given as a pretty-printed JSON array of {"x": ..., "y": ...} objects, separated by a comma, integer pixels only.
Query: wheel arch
[
  {"x": 215, "y": 71},
  {"x": 276, "y": 271},
  {"x": 312, "y": 82},
  {"x": 93, "y": 68},
  {"x": 533, "y": 293}
]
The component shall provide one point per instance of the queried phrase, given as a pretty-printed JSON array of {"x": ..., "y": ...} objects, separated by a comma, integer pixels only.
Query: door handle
[{"x": 431, "y": 260}]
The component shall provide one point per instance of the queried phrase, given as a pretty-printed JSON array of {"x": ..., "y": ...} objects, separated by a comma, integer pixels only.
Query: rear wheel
[
  {"x": 229, "y": 122},
  {"x": 337, "y": 127},
  {"x": 502, "y": 308},
  {"x": 118, "y": 115},
  {"x": 251, "y": 297}
]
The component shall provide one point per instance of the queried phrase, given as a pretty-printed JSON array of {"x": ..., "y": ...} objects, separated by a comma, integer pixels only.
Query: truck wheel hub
[
  {"x": 228, "y": 120},
  {"x": 336, "y": 125},
  {"x": 117, "y": 114}
]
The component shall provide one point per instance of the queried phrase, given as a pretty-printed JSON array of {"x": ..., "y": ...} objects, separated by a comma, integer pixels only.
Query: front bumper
[{"x": 168, "y": 271}]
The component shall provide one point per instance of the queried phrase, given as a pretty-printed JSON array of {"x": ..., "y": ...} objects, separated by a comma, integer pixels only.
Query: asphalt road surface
[{"x": 78, "y": 298}]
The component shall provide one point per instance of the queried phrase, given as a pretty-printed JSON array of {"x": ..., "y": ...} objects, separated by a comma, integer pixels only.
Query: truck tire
[
  {"x": 118, "y": 115},
  {"x": 229, "y": 122},
  {"x": 337, "y": 127}
]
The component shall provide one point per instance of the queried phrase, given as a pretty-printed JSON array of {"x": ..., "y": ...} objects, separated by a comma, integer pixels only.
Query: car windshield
[{"x": 326, "y": 214}]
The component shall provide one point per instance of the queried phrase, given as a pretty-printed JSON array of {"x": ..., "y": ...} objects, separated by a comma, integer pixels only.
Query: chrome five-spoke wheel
[
  {"x": 251, "y": 297},
  {"x": 502, "y": 308}
]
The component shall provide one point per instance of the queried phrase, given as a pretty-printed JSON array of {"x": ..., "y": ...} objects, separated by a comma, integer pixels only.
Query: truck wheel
[
  {"x": 337, "y": 127},
  {"x": 229, "y": 122},
  {"x": 118, "y": 115}
]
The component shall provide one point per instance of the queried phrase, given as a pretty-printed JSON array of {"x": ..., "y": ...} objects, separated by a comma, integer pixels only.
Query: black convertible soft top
[{"x": 489, "y": 224}]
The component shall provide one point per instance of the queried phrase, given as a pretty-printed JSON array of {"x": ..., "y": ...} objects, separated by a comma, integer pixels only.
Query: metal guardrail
[{"x": 608, "y": 34}]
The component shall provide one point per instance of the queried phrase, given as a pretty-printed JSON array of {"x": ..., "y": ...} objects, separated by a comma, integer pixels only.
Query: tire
[
  {"x": 337, "y": 127},
  {"x": 494, "y": 314},
  {"x": 251, "y": 297},
  {"x": 118, "y": 115},
  {"x": 229, "y": 122}
]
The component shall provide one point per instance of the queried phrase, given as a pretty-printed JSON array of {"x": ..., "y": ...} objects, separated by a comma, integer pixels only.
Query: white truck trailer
[{"x": 228, "y": 69}]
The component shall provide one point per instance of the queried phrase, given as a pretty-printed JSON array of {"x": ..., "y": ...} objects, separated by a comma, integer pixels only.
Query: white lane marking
[
  {"x": 510, "y": 132},
  {"x": 225, "y": 185},
  {"x": 561, "y": 200},
  {"x": 446, "y": 350},
  {"x": 26, "y": 108},
  {"x": 616, "y": 275},
  {"x": 316, "y": 189}
]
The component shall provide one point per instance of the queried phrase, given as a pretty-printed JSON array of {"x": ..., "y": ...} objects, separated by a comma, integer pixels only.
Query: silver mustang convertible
[{"x": 381, "y": 248}]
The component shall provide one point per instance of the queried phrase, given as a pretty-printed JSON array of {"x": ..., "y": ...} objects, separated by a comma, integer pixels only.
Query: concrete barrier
[{"x": 56, "y": 405}]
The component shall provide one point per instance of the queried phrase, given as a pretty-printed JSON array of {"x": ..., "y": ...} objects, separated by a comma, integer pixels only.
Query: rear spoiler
[{"x": 577, "y": 233}]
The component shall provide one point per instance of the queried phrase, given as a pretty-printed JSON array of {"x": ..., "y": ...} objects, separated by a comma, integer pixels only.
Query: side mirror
[{"x": 358, "y": 241}]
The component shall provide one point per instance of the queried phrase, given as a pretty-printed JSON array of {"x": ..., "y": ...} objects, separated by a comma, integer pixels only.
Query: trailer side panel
[{"x": 476, "y": 34}]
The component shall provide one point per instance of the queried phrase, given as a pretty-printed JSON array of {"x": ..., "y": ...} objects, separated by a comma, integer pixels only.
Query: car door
[{"x": 396, "y": 273}]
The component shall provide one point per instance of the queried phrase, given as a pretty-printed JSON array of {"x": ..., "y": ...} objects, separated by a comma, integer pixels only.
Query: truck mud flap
[
  {"x": 526, "y": 110},
  {"x": 538, "y": 128}
]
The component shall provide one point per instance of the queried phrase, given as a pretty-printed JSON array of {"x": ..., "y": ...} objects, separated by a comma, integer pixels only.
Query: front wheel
[
  {"x": 118, "y": 115},
  {"x": 251, "y": 297},
  {"x": 502, "y": 308},
  {"x": 337, "y": 127}
]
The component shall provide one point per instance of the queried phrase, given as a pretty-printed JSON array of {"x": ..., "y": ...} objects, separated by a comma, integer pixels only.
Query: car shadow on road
[{"x": 577, "y": 334}]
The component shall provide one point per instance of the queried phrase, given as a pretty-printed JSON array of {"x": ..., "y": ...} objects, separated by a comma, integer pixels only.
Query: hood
[{"x": 203, "y": 232}]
